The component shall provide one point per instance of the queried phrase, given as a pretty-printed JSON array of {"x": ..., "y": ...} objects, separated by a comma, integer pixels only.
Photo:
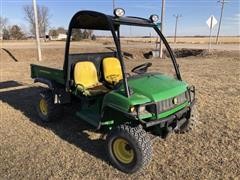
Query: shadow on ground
[
  {"x": 9, "y": 84},
  {"x": 69, "y": 128}
]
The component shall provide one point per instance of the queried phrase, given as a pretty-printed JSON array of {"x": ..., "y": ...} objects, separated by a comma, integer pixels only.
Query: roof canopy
[{"x": 100, "y": 21}]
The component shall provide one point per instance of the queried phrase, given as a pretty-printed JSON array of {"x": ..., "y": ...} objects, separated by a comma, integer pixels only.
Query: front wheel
[
  {"x": 191, "y": 121},
  {"x": 129, "y": 148}
]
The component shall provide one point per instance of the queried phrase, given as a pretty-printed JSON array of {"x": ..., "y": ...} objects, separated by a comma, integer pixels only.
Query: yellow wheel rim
[
  {"x": 123, "y": 151},
  {"x": 43, "y": 107}
]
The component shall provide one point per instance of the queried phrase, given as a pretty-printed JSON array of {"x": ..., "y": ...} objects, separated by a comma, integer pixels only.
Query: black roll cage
[{"x": 99, "y": 21}]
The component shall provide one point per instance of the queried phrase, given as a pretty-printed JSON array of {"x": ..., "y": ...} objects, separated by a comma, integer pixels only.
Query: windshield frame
[{"x": 117, "y": 39}]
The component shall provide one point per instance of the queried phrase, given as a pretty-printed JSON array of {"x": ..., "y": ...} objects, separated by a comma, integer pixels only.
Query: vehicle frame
[{"x": 129, "y": 125}]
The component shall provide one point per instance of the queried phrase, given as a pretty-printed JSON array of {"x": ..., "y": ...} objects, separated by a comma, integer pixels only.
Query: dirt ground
[
  {"x": 69, "y": 149},
  {"x": 193, "y": 43}
]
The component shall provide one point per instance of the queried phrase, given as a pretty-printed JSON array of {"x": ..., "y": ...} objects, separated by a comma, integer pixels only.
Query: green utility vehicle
[{"x": 127, "y": 107}]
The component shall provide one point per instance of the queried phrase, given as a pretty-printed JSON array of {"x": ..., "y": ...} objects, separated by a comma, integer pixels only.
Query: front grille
[{"x": 171, "y": 102}]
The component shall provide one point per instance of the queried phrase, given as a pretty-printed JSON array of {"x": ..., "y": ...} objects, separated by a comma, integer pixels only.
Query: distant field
[
  {"x": 193, "y": 40},
  {"x": 183, "y": 40}
]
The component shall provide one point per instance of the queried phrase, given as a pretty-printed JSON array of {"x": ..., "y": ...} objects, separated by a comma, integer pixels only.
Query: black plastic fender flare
[{"x": 45, "y": 81}]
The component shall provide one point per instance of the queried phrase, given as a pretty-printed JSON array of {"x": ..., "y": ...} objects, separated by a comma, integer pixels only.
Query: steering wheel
[{"x": 141, "y": 69}]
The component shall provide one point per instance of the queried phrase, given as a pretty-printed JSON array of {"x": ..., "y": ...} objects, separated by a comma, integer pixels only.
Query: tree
[
  {"x": 93, "y": 37},
  {"x": 85, "y": 34},
  {"x": 43, "y": 18},
  {"x": 5, "y": 34},
  {"x": 61, "y": 30},
  {"x": 90, "y": 33},
  {"x": 3, "y": 24},
  {"x": 77, "y": 35},
  {"x": 53, "y": 32},
  {"x": 16, "y": 32}
]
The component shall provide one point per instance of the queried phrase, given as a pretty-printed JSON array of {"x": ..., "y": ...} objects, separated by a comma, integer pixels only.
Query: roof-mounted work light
[
  {"x": 154, "y": 18},
  {"x": 119, "y": 12}
]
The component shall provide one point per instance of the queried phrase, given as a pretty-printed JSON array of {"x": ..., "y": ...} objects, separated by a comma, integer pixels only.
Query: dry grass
[{"x": 69, "y": 150}]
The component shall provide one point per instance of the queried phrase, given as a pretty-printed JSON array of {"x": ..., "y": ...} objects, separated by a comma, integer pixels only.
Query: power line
[
  {"x": 220, "y": 21},
  {"x": 176, "y": 25}
]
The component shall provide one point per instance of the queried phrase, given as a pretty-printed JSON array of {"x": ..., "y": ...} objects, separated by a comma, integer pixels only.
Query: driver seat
[
  {"x": 86, "y": 79},
  {"x": 112, "y": 70}
]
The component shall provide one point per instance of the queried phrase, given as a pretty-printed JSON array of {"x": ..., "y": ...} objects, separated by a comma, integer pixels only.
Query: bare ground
[{"x": 70, "y": 149}]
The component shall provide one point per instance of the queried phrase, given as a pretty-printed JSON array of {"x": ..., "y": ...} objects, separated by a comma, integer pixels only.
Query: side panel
[
  {"x": 112, "y": 117},
  {"x": 51, "y": 74},
  {"x": 117, "y": 100}
]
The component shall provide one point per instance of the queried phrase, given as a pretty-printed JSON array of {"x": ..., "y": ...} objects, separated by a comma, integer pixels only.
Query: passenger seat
[{"x": 112, "y": 70}]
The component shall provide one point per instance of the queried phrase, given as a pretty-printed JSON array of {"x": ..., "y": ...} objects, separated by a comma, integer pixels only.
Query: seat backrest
[
  {"x": 85, "y": 74},
  {"x": 112, "y": 70}
]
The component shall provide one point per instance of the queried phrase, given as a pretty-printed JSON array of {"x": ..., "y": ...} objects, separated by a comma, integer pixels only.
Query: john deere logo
[{"x": 175, "y": 101}]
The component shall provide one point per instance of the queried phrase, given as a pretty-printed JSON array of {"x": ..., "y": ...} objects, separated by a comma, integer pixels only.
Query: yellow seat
[
  {"x": 112, "y": 70},
  {"x": 86, "y": 79}
]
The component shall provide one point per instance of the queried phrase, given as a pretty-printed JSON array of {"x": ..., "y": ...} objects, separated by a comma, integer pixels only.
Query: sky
[{"x": 193, "y": 21}]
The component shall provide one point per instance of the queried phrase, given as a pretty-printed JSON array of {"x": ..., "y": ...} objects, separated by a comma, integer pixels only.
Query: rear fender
[
  {"x": 45, "y": 81},
  {"x": 59, "y": 93}
]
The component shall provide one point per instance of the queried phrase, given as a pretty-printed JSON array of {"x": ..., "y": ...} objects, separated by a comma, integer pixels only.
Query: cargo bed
[{"x": 51, "y": 74}]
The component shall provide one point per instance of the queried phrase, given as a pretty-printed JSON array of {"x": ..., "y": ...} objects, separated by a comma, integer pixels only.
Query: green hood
[
  {"x": 146, "y": 88},
  {"x": 155, "y": 87}
]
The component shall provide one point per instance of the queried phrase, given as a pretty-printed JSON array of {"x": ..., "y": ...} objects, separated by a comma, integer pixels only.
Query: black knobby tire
[
  {"x": 54, "y": 112},
  {"x": 139, "y": 143},
  {"x": 191, "y": 123}
]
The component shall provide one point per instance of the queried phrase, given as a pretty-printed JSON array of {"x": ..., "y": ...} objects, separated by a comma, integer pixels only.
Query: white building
[
  {"x": 62, "y": 37},
  {"x": 59, "y": 37}
]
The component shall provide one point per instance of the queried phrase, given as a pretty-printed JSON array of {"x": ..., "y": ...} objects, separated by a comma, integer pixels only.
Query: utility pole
[
  {"x": 176, "y": 24},
  {"x": 210, "y": 35},
  {"x": 37, "y": 30},
  {"x": 162, "y": 23},
  {"x": 220, "y": 21}
]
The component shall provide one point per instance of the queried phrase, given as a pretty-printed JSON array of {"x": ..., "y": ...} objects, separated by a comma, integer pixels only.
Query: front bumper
[{"x": 177, "y": 118}]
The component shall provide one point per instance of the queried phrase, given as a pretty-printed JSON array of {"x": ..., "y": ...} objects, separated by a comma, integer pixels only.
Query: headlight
[
  {"x": 132, "y": 109},
  {"x": 119, "y": 12},
  {"x": 143, "y": 109},
  {"x": 154, "y": 18},
  {"x": 140, "y": 109}
]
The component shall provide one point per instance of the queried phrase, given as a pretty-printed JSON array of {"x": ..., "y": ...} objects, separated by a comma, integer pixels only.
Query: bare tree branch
[
  {"x": 43, "y": 18},
  {"x": 3, "y": 23}
]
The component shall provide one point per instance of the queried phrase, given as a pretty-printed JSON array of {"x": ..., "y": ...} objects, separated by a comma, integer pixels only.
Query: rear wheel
[
  {"x": 47, "y": 110},
  {"x": 129, "y": 148}
]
